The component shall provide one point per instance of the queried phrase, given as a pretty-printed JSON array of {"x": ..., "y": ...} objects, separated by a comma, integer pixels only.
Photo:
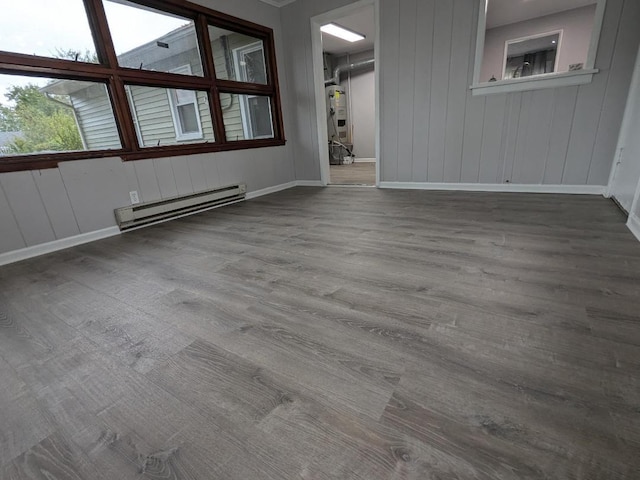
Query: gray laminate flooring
[
  {"x": 331, "y": 334},
  {"x": 353, "y": 174}
]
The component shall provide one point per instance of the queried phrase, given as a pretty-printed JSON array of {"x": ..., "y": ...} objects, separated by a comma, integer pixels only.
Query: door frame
[
  {"x": 318, "y": 81},
  {"x": 625, "y": 129}
]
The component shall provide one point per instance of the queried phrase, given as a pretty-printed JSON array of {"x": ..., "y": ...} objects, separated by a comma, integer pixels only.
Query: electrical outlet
[{"x": 134, "y": 197}]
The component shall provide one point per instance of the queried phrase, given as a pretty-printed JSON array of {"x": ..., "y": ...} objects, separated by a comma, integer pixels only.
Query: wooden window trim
[{"x": 116, "y": 78}]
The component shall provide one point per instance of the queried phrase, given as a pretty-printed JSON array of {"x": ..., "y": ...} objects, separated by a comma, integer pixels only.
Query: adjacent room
[{"x": 195, "y": 285}]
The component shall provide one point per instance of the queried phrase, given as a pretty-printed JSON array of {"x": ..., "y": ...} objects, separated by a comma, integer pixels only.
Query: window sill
[{"x": 539, "y": 82}]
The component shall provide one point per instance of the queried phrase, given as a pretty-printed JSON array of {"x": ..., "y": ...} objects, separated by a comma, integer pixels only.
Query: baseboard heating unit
[{"x": 150, "y": 212}]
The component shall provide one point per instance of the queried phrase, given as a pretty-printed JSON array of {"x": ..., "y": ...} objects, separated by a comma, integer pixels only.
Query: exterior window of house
[
  {"x": 132, "y": 78},
  {"x": 184, "y": 108}
]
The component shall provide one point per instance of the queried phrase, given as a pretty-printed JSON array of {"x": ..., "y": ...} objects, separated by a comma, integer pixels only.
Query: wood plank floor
[
  {"x": 354, "y": 174},
  {"x": 331, "y": 334}
]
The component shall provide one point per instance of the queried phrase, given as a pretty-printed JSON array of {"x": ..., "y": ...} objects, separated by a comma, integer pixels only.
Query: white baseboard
[
  {"x": 270, "y": 190},
  {"x": 633, "y": 223},
  {"x": 365, "y": 160},
  {"x": 506, "y": 187},
  {"x": 61, "y": 244}
]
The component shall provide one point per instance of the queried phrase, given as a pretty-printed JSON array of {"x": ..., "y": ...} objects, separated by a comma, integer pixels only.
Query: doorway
[
  {"x": 346, "y": 79},
  {"x": 625, "y": 174}
]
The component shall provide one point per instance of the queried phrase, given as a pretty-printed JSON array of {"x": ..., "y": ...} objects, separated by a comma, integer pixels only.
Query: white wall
[
  {"x": 433, "y": 130},
  {"x": 577, "y": 25},
  {"x": 361, "y": 91},
  {"x": 79, "y": 197}
]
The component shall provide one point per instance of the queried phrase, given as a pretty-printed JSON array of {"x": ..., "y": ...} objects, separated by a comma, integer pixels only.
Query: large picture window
[{"x": 192, "y": 80}]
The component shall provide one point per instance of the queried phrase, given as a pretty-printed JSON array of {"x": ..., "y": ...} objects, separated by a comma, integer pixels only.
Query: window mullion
[{"x": 215, "y": 106}]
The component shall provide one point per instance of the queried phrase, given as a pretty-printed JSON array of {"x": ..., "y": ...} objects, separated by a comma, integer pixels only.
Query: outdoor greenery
[{"x": 44, "y": 123}]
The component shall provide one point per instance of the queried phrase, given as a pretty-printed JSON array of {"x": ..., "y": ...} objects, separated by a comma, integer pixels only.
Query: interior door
[{"x": 626, "y": 175}]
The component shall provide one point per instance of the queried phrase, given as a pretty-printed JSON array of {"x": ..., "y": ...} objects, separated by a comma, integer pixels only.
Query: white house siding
[{"x": 95, "y": 118}]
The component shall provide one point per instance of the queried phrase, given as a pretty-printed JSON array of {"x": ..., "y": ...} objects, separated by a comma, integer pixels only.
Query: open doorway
[{"x": 346, "y": 81}]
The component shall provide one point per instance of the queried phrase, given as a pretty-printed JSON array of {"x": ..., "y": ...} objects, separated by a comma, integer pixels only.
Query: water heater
[{"x": 337, "y": 114}]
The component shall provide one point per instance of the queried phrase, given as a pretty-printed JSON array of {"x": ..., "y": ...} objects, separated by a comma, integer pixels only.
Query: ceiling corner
[{"x": 278, "y": 3}]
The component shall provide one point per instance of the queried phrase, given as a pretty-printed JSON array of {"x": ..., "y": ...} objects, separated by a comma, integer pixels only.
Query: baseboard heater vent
[{"x": 149, "y": 212}]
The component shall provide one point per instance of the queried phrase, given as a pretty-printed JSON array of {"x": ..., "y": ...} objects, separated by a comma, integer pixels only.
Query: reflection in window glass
[
  {"x": 247, "y": 117},
  {"x": 148, "y": 39},
  {"x": 48, "y": 28},
  {"x": 165, "y": 116},
  {"x": 531, "y": 56},
  {"x": 238, "y": 57},
  {"x": 41, "y": 115}
]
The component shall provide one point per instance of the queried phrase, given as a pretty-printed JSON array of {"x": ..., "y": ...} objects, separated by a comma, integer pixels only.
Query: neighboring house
[
  {"x": 167, "y": 116},
  {"x": 5, "y": 140}
]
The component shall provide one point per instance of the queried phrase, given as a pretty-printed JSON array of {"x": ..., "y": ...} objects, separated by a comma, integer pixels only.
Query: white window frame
[
  {"x": 533, "y": 37},
  {"x": 173, "y": 103},
  {"x": 245, "y": 111},
  {"x": 536, "y": 82}
]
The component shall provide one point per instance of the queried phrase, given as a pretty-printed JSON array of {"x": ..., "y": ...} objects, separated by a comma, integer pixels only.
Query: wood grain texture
[
  {"x": 331, "y": 333},
  {"x": 353, "y": 174}
]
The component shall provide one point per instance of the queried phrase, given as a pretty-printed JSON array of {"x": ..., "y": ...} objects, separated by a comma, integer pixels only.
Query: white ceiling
[
  {"x": 278, "y": 3},
  {"x": 505, "y": 12},
  {"x": 363, "y": 22}
]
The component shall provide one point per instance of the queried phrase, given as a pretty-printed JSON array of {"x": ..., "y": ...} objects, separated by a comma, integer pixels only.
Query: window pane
[
  {"x": 166, "y": 116},
  {"x": 237, "y": 56},
  {"x": 40, "y": 115},
  {"x": 152, "y": 40},
  {"x": 48, "y": 28},
  {"x": 247, "y": 117}
]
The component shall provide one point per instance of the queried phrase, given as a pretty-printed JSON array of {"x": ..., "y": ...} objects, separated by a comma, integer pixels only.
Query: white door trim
[
  {"x": 318, "y": 80},
  {"x": 625, "y": 129}
]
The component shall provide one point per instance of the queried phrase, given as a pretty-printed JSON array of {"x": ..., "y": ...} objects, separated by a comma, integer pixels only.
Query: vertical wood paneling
[
  {"x": 458, "y": 83},
  {"x": 390, "y": 46},
  {"x": 11, "y": 238},
  {"x": 521, "y": 139},
  {"x": 408, "y": 11},
  {"x": 95, "y": 187},
  {"x": 147, "y": 180},
  {"x": 622, "y": 66},
  {"x": 585, "y": 128},
  {"x": 27, "y": 206},
  {"x": 530, "y": 164},
  {"x": 132, "y": 177},
  {"x": 166, "y": 179},
  {"x": 56, "y": 201},
  {"x": 472, "y": 139},
  {"x": 564, "y": 105},
  {"x": 443, "y": 27},
  {"x": 510, "y": 142},
  {"x": 422, "y": 88},
  {"x": 490, "y": 164},
  {"x": 196, "y": 172},
  {"x": 181, "y": 174}
]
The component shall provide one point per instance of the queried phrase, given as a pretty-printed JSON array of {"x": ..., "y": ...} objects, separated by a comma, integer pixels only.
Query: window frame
[
  {"x": 116, "y": 78},
  {"x": 537, "y": 82},
  {"x": 172, "y": 94},
  {"x": 559, "y": 32},
  {"x": 245, "y": 108}
]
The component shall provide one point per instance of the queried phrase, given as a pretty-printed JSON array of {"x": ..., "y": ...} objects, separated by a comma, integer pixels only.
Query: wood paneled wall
[{"x": 434, "y": 130}]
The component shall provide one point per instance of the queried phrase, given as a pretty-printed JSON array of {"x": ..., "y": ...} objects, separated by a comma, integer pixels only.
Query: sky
[{"x": 41, "y": 26}]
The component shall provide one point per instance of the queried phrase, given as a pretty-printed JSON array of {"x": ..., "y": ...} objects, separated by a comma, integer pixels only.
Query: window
[
  {"x": 192, "y": 80},
  {"x": 533, "y": 55},
  {"x": 533, "y": 45}
]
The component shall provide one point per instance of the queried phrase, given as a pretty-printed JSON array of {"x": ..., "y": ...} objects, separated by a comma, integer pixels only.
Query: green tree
[{"x": 46, "y": 124}]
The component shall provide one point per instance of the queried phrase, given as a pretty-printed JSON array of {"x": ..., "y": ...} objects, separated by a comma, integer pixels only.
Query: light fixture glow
[{"x": 341, "y": 32}]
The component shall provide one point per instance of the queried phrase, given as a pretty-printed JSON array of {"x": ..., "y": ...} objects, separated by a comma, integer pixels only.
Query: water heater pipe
[{"x": 347, "y": 68}]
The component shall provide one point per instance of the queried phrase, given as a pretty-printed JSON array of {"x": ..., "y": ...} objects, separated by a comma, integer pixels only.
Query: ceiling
[
  {"x": 363, "y": 22},
  {"x": 505, "y": 12},
  {"x": 278, "y": 3}
]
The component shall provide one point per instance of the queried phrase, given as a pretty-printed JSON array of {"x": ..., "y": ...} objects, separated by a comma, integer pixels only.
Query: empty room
[{"x": 303, "y": 239}]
